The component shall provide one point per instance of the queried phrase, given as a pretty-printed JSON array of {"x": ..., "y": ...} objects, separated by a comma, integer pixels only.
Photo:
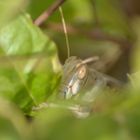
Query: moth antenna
[
  {"x": 89, "y": 60},
  {"x": 65, "y": 31}
]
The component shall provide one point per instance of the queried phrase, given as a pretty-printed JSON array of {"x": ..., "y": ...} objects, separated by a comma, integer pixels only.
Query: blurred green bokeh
[{"x": 30, "y": 69}]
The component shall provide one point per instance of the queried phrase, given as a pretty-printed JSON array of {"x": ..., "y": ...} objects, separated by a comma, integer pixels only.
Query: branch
[
  {"x": 46, "y": 14},
  {"x": 96, "y": 34}
]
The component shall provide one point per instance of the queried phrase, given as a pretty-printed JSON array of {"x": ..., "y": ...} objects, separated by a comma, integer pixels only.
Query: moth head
[
  {"x": 81, "y": 72},
  {"x": 74, "y": 75}
]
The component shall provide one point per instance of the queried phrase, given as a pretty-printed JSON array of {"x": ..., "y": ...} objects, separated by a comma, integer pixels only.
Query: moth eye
[
  {"x": 75, "y": 87},
  {"x": 82, "y": 72}
]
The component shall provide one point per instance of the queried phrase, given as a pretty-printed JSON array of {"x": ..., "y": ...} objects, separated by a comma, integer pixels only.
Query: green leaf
[
  {"x": 57, "y": 123},
  {"x": 13, "y": 125},
  {"x": 120, "y": 123},
  {"x": 9, "y": 8},
  {"x": 31, "y": 67}
]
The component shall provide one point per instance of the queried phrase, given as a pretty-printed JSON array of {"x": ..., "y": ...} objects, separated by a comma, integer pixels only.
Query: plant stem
[{"x": 47, "y": 13}]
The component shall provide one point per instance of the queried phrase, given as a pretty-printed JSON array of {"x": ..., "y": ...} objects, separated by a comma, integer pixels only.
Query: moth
[
  {"x": 79, "y": 77},
  {"x": 81, "y": 82}
]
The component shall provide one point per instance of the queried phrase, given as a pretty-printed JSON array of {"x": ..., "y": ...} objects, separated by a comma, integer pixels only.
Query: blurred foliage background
[{"x": 31, "y": 60}]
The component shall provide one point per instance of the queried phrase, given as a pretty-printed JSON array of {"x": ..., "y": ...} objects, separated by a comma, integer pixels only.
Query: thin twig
[
  {"x": 46, "y": 14},
  {"x": 96, "y": 34}
]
